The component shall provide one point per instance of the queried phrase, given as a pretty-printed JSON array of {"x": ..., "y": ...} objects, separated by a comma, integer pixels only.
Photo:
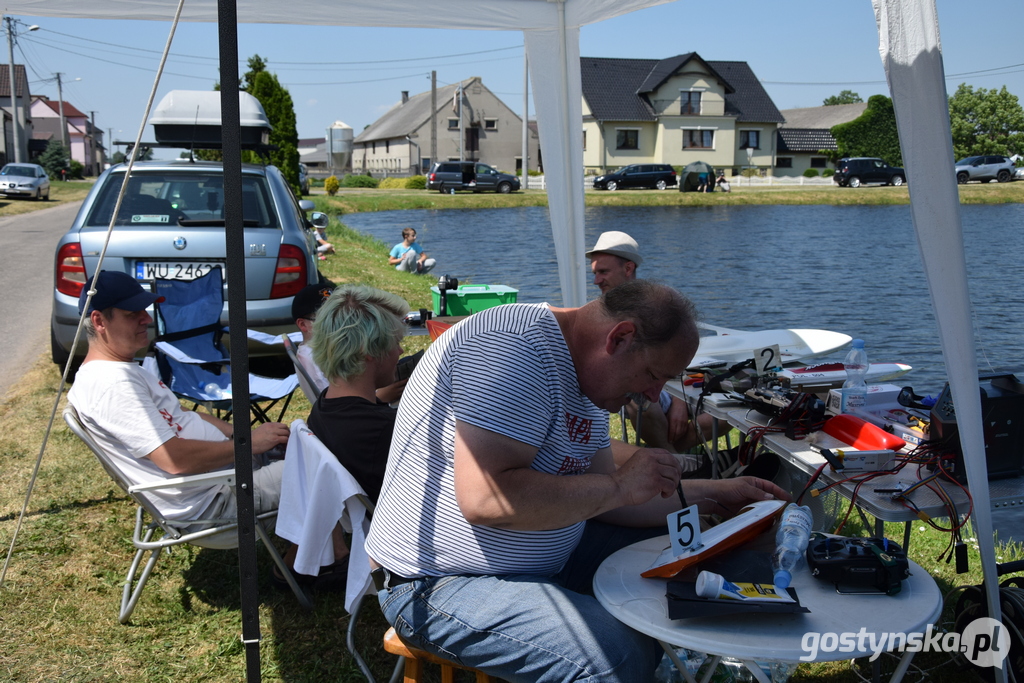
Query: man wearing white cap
[
  {"x": 614, "y": 259},
  {"x": 666, "y": 424}
]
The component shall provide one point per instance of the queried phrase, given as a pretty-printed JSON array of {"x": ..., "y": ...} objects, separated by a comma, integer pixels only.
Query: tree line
[{"x": 982, "y": 121}]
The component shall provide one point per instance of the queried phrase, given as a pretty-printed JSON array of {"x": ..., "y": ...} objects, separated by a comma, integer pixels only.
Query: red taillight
[
  {"x": 70, "y": 272},
  {"x": 290, "y": 274},
  {"x": 433, "y": 177}
]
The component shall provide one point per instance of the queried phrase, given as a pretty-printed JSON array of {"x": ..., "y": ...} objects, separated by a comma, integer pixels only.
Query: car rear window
[{"x": 164, "y": 198}]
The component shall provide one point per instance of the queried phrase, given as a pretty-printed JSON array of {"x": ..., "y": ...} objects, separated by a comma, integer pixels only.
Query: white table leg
[
  {"x": 901, "y": 668},
  {"x": 756, "y": 671}
]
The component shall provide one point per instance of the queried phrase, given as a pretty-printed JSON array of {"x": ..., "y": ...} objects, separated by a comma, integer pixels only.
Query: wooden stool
[{"x": 414, "y": 659}]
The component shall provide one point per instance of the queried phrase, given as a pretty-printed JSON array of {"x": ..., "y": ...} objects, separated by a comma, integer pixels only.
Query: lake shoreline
[{"x": 369, "y": 200}]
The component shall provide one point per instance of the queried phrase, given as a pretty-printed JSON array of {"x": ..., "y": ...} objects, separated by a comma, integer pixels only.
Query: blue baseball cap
[{"x": 117, "y": 290}]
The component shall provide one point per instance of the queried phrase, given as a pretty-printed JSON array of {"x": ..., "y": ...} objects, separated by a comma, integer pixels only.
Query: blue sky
[{"x": 802, "y": 50}]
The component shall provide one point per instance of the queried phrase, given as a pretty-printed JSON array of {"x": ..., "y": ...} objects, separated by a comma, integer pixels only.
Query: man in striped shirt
[{"x": 501, "y": 495}]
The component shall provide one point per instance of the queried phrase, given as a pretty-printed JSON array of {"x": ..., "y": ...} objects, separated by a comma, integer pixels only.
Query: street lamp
[{"x": 11, "y": 35}]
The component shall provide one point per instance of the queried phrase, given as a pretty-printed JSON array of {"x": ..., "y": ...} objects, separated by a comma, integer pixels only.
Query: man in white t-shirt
[
  {"x": 138, "y": 420},
  {"x": 502, "y": 497},
  {"x": 666, "y": 422}
]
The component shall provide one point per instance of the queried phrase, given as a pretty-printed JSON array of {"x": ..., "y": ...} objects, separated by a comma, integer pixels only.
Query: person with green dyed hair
[{"x": 357, "y": 339}]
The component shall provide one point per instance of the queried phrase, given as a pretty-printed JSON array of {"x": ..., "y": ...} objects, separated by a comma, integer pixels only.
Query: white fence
[{"x": 537, "y": 182}]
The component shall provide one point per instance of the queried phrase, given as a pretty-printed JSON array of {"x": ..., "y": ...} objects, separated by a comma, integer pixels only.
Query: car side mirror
[
  {"x": 319, "y": 219},
  {"x": 306, "y": 204}
]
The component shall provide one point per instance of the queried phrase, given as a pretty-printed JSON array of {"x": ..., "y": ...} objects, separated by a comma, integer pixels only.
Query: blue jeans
[{"x": 525, "y": 627}]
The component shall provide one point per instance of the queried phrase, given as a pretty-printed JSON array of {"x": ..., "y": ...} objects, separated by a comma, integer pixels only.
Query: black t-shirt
[{"x": 358, "y": 433}]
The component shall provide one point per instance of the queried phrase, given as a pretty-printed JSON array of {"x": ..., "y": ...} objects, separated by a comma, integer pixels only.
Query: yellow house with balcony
[{"x": 675, "y": 111}]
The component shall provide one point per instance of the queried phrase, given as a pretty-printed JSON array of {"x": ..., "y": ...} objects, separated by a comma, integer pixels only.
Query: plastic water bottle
[
  {"x": 791, "y": 543},
  {"x": 213, "y": 391},
  {"x": 855, "y": 389}
]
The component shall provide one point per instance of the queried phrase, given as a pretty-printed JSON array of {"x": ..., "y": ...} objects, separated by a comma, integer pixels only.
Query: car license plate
[{"x": 174, "y": 270}]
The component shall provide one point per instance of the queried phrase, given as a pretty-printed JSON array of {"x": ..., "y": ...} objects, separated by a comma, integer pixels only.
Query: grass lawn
[
  {"x": 58, "y": 604},
  {"x": 60, "y": 193}
]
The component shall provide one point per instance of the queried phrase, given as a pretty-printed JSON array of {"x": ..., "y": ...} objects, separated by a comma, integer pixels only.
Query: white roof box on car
[{"x": 191, "y": 118}]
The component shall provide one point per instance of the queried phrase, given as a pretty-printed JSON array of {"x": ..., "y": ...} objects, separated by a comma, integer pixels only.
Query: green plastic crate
[{"x": 468, "y": 299}]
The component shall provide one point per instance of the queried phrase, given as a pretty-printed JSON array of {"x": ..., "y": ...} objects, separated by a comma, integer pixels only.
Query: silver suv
[
  {"x": 171, "y": 225},
  {"x": 984, "y": 168}
]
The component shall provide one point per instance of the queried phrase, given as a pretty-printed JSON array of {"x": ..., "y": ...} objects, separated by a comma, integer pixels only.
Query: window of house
[
  {"x": 698, "y": 139},
  {"x": 387, "y": 145},
  {"x": 627, "y": 138},
  {"x": 690, "y": 102},
  {"x": 819, "y": 162},
  {"x": 453, "y": 124},
  {"x": 750, "y": 139},
  {"x": 374, "y": 146},
  {"x": 584, "y": 141},
  {"x": 472, "y": 139},
  {"x": 490, "y": 124},
  {"x": 784, "y": 162}
]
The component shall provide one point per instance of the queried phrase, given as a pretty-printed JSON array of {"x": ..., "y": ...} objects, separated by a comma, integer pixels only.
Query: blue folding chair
[{"x": 192, "y": 361}]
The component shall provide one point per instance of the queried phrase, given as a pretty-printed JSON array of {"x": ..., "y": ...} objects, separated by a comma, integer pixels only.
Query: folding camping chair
[
  {"x": 317, "y": 492},
  {"x": 190, "y": 356},
  {"x": 306, "y": 381},
  {"x": 214, "y": 533}
]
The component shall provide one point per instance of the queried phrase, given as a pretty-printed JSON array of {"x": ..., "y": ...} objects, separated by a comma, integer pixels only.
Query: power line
[{"x": 948, "y": 77}]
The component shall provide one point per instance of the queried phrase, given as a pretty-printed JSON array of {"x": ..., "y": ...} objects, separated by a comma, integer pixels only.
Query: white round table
[{"x": 641, "y": 604}]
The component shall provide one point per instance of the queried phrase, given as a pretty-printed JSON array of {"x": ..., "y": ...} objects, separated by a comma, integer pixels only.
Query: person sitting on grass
[
  {"x": 323, "y": 247},
  {"x": 408, "y": 255}
]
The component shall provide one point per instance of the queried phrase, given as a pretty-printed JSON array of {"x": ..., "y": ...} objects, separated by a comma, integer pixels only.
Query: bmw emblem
[{"x": 179, "y": 243}]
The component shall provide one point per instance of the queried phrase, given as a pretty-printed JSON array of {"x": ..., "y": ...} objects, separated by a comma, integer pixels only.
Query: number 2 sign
[
  {"x": 684, "y": 530},
  {"x": 768, "y": 359}
]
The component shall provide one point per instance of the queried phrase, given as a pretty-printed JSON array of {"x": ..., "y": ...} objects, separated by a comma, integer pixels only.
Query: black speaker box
[{"x": 1002, "y": 412}]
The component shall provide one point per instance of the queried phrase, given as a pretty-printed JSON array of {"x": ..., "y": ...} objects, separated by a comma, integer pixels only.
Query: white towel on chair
[{"x": 316, "y": 493}]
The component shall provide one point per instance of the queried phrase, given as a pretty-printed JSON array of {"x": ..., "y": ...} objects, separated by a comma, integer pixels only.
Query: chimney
[{"x": 405, "y": 96}]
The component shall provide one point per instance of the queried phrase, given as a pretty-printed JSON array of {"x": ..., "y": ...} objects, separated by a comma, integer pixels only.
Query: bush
[
  {"x": 331, "y": 185},
  {"x": 827, "y": 173},
  {"x": 54, "y": 159},
  {"x": 811, "y": 173},
  {"x": 392, "y": 184},
  {"x": 416, "y": 182},
  {"x": 750, "y": 172},
  {"x": 353, "y": 180},
  {"x": 76, "y": 171}
]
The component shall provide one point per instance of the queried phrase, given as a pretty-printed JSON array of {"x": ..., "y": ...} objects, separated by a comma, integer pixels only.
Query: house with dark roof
[
  {"x": 85, "y": 141},
  {"x": 398, "y": 143},
  {"x": 806, "y": 133},
  {"x": 675, "y": 111},
  {"x": 24, "y": 117}
]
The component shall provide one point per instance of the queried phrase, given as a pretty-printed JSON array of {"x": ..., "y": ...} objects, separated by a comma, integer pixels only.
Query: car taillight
[
  {"x": 70, "y": 270},
  {"x": 433, "y": 177},
  {"x": 290, "y": 274}
]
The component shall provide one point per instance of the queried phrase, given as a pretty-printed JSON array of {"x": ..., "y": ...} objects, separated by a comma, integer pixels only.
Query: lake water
[{"x": 851, "y": 269}]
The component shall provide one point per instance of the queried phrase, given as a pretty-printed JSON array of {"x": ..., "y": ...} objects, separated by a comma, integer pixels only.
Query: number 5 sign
[{"x": 684, "y": 530}]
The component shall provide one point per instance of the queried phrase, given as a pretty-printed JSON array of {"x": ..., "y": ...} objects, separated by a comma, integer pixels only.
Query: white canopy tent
[{"x": 910, "y": 50}]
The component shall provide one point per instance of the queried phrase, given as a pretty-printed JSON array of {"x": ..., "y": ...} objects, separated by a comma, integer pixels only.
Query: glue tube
[{"x": 715, "y": 586}]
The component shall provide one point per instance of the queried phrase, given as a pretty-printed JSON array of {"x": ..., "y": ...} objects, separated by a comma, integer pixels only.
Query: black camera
[{"x": 444, "y": 284}]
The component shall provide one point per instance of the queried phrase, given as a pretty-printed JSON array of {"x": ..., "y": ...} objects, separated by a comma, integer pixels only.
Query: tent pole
[{"x": 234, "y": 244}]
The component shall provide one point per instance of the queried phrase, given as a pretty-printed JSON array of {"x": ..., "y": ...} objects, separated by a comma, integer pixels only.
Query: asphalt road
[{"x": 27, "y": 244}]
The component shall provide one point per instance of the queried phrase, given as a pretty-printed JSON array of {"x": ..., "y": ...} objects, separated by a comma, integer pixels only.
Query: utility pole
[
  {"x": 433, "y": 117},
  {"x": 92, "y": 147},
  {"x": 526, "y": 121},
  {"x": 15, "y": 122},
  {"x": 462, "y": 125},
  {"x": 60, "y": 104}
]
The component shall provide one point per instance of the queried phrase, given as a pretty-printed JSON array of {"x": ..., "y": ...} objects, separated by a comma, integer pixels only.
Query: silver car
[
  {"x": 171, "y": 225},
  {"x": 24, "y": 180},
  {"x": 984, "y": 168}
]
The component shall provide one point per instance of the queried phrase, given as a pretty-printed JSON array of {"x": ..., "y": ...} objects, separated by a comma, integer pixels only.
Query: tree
[
  {"x": 54, "y": 159},
  {"x": 845, "y": 97},
  {"x": 985, "y": 122},
  {"x": 872, "y": 134},
  {"x": 277, "y": 103}
]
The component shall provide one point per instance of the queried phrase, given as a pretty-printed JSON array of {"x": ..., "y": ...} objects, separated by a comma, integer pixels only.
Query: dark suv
[
  {"x": 985, "y": 169},
  {"x": 472, "y": 176},
  {"x": 857, "y": 171},
  {"x": 654, "y": 176}
]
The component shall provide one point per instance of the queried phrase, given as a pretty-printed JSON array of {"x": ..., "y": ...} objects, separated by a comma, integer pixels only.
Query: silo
[{"x": 339, "y": 148}]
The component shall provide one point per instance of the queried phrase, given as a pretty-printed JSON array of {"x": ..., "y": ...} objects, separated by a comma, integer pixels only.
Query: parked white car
[{"x": 24, "y": 180}]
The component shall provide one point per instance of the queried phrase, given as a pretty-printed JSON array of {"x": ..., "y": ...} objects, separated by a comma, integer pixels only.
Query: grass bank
[
  {"x": 59, "y": 601},
  {"x": 364, "y": 200},
  {"x": 60, "y": 193}
]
